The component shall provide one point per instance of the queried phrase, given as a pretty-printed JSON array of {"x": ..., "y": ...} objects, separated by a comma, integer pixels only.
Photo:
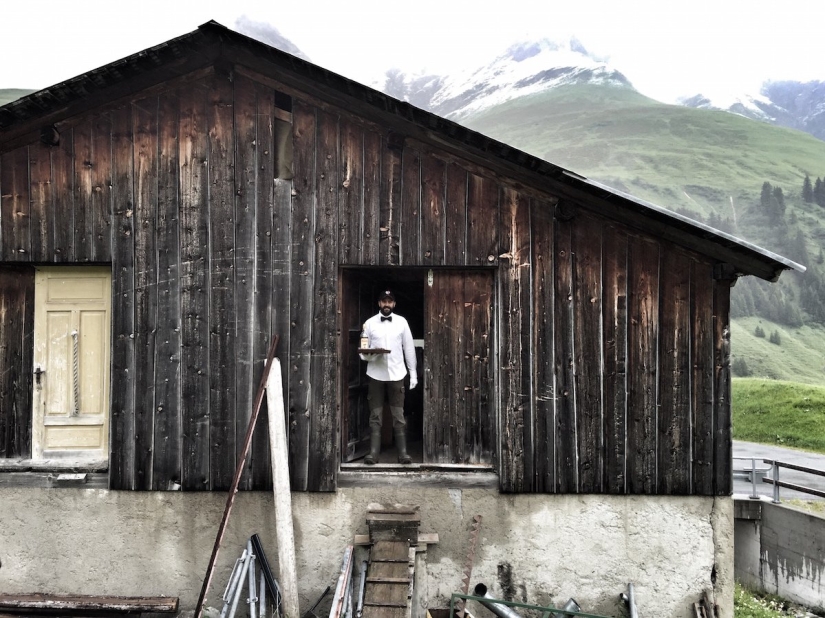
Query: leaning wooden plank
[
  {"x": 54, "y": 602},
  {"x": 236, "y": 479},
  {"x": 284, "y": 534}
]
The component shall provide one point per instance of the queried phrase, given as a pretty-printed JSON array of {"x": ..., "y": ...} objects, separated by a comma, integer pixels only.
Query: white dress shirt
[{"x": 393, "y": 335}]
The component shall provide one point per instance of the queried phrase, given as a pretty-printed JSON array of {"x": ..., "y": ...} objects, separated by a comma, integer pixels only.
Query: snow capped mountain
[
  {"x": 791, "y": 104},
  {"x": 523, "y": 69}
]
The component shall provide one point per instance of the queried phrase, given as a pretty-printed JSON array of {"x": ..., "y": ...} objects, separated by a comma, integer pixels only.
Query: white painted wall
[{"x": 553, "y": 547}]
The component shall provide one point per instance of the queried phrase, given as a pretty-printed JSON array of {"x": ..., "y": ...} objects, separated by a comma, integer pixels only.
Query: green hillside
[
  {"x": 681, "y": 158},
  {"x": 709, "y": 165},
  {"x": 7, "y": 95}
]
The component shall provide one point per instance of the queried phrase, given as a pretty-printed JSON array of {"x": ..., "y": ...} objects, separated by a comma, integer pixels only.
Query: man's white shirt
[{"x": 393, "y": 335}]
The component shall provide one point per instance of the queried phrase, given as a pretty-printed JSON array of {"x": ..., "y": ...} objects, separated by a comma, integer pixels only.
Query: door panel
[
  {"x": 72, "y": 323},
  {"x": 458, "y": 416}
]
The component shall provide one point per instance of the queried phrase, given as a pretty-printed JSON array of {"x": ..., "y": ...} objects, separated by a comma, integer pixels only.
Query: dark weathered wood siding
[{"x": 610, "y": 348}]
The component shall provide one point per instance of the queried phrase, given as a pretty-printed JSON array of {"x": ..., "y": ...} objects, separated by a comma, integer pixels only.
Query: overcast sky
[{"x": 667, "y": 48}]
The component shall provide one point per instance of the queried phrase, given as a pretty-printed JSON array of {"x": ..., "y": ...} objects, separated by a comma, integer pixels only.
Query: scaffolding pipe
[{"x": 500, "y": 610}]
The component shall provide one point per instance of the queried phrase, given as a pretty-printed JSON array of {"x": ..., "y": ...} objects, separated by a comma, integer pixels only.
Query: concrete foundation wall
[
  {"x": 783, "y": 553},
  {"x": 536, "y": 548}
]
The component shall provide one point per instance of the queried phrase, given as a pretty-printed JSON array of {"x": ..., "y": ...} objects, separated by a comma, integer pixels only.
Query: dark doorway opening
[
  {"x": 450, "y": 415},
  {"x": 360, "y": 289}
]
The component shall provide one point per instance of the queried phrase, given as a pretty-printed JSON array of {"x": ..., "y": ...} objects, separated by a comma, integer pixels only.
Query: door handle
[{"x": 37, "y": 373}]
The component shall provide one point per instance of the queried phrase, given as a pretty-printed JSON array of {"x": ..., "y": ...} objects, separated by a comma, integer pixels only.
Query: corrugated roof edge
[{"x": 53, "y": 98}]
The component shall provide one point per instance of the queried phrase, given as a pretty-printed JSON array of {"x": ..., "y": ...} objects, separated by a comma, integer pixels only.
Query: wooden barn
[{"x": 164, "y": 215}]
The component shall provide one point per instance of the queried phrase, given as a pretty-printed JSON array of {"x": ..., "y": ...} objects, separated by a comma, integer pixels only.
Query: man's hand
[{"x": 413, "y": 382}]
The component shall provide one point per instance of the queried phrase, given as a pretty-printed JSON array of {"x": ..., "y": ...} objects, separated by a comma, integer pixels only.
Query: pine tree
[
  {"x": 775, "y": 338},
  {"x": 807, "y": 190},
  {"x": 819, "y": 192},
  {"x": 766, "y": 199},
  {"x": 779, "y": 202},
  {"x": 759, "y": 332}
]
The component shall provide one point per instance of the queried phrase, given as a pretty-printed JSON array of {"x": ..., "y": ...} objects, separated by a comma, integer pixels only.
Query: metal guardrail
[{"x": 760, "y": 474}]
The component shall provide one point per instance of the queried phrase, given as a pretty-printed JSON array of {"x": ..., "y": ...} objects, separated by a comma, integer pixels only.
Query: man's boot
[
  {"x": 401, "y": 444},
  {"x": 375, "y": 446}
]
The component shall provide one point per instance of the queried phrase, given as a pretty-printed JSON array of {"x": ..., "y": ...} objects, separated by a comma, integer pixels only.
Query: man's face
[{"x": 386, "y": 305}]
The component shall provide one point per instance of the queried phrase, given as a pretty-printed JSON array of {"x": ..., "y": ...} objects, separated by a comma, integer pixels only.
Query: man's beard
[{"x": 386, "y": 310}]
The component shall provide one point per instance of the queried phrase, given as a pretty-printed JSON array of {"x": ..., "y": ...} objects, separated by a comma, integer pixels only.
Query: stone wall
[{"x": 541, "y": 549}]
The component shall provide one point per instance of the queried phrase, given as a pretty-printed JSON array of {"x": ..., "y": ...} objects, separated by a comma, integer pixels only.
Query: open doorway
[
  {"x": 360, "y": 289},
  {"x": 451, "y": 414}
]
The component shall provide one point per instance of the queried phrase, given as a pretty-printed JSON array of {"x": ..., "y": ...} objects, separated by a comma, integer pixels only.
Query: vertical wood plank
[
  {"x": 516, "y": 336},
  {"x": 247, "y": 327},
  {"x": 301, "y": 291},
  {"x": 144, "y": 118},
  {"x": 15, "y": 209},
  {"x": 40, "y": 171},
  {"x": 122, "y": 462},
  {"x": 166, "y": 467},
  {"x": 722, "y": 445},
  {"x": 543, "y": 260},
  {"x": 325, "y": 394},
  {"x": 390, "y": 215},
  {"x": 642, "y": 337},
  {"x": 222, "y": 309},
  {"x": 83, "y": 190},
  {"x": 63, "y": 192},
  {"x": 16, "y": 344},
  {"x": 438, "y": 366},
  {"x": 194, "y": 282},
  {"x": 265, "y": 293},
  {"x": 482, "y": 221},
  {"x": 410, "y": 238},
  {"x": 279, "y": 210},
  {"x": 372, "y": 199},
  {"x": 615, "y": 358},
  {"x": 675, "y": 413},
  {"x": 433, "y": 210},
  {"x": 351, "y": 214},
  {"x": 587, "y": 346},
  {"x": 480, "y": 433},
  {"x": 567, "y": 455},
  {"x": 702, "y": 355},
  {"x": 455, "y": 250},
  {"x": 99, "y": 216}
]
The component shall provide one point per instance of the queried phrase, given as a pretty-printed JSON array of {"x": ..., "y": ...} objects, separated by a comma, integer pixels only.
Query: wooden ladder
[{"x": 391, "y": 568}]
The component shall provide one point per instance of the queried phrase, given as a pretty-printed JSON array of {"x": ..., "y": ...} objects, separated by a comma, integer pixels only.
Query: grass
[
  {"x": 779, "y": 413},
  {"x": 678, "y": 157},
  {"x": 817, "y": 507},
  {"x": 800, "y": 356},
  {"x": 747, "y": 604}
]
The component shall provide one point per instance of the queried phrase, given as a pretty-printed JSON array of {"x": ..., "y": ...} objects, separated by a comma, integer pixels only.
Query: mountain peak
[{"x": 524, "y": 68}]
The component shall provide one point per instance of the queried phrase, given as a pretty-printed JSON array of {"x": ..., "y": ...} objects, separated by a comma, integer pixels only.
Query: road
[{"x": 764, "y": 451}]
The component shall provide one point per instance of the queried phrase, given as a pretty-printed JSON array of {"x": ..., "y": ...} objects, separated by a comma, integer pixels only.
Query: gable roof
[{"x": 213, "y": 45}]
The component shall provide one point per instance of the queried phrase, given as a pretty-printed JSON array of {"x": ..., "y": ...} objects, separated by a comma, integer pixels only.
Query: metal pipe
[
  {"x": 776, "y": 499},
  {"x": 361, "y": 587},
  {"x": 253, "y": 594},
  {"x": 500, "y": 610},
  {"x": 234, "y": 582},
  {"x": 239, "y": 589},
  {"x": 262, "y": 596},
  {"x": 631, "y": 601},
  {"x": 571, "y": 606},
  {"x": 754, "y": 495}
]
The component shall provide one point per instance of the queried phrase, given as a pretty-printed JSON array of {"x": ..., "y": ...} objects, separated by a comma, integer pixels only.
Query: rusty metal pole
[{"x": 230, "y": 499}]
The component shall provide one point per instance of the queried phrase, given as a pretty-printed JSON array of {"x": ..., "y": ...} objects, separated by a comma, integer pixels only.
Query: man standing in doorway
[{"x": 386, "y": 372}]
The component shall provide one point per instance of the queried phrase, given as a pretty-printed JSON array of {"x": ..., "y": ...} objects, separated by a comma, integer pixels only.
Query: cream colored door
[{"x": 72, "y": 318}]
